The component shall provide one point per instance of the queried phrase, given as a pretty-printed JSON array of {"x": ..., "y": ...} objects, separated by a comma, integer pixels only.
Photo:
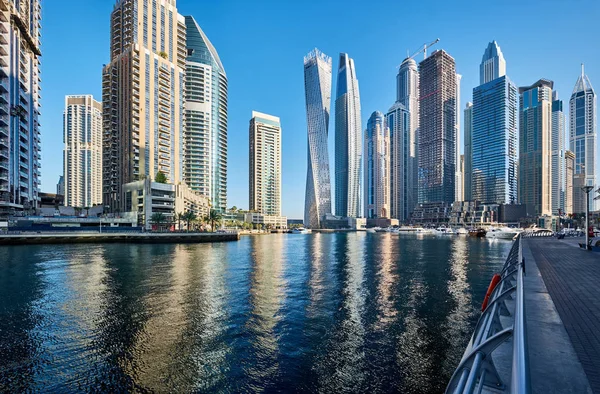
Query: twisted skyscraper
[
  {"x": 317, "y": 87},
  {"x": 348, "y": 140}
]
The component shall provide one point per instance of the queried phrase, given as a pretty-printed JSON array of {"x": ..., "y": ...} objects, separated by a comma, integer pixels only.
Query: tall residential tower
[
  {"x": 82, "y": 155},
  {"x": 142, "y": 94},
  {"x": 348, "y": 141},
  {"x": 317, "y": 88},
  {"x": 583, "y": 139},
  {"x": 205, "y": 138},
  {"x": 493, "y": 149},
  {"x": 265, "y": 164},
  {"x": 468, "y": 156},
  {"x": 557, "y": 161},
  {"x": 20, "y": 81},
  {"x": 402, "y": 119},
  {"x": 377, "y": 167},
  {"x": 437, "y": 128},
  {"x": 535, "y": 144}
]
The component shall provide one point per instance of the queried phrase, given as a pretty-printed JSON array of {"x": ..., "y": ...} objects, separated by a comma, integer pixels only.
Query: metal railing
[{"x": 477, "y": 369}]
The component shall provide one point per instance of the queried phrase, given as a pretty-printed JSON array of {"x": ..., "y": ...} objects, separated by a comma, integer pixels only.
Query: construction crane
[{"x": 423, "y": 49}]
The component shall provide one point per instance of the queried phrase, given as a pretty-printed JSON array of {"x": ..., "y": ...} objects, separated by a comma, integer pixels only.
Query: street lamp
[{"x": 587, "y": 190}]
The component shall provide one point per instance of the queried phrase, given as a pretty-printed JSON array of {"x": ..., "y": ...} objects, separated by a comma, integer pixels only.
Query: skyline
[{"x": 277, "y": 87}]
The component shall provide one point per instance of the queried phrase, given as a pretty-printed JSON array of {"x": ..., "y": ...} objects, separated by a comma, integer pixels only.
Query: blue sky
[{"x": 262, "y": 44}]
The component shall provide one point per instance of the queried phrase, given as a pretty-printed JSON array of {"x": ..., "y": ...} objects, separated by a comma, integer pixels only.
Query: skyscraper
[
  {"x": 20, "y": 81},
  {"x": 377, "y": 167},
  {"x": 205, "y": 141},
  {"x": 317, "y": 89},
  {"x": 82, "y": 155},
  {"x": 142, "y": 94},
  {"x": 582, "y": 139},
  {"x": 535, "y": 143},
  {"x": 437, "y": 128},
  {"x": 458, "y": 175},
  {"x": 265, "y": 164},
  {"x": 468, "y": 160},
  {"x": 557, "y": 162},
  {"x": 494, "y": 132},
  {"x": 569, "y": 172},
  {"x": 402, "y": 120},
  {"x": 348, "y": 140}
]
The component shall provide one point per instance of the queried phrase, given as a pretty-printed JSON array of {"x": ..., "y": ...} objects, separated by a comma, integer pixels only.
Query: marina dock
[{"x": 125, "y": 237}]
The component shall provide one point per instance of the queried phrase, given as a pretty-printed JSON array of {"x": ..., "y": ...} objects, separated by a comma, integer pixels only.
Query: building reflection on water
[{"x": 283, "y": 313}]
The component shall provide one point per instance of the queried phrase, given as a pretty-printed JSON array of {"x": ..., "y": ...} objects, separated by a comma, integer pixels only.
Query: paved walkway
[{"x": 572, "y": 278}]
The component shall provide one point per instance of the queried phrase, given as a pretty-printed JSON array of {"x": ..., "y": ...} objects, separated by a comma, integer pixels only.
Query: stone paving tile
[{"x": 572, "y": 278}]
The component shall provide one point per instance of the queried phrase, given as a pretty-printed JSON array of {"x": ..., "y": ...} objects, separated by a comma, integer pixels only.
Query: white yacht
[
  {"x": 300, "y": 230},
  {"x": 462, "y": 231},
  {"x": 502, "y": 232},
  {"x": 421, "y": 230},
  {"x": 444, "y": 231},
  {"x": 373, "y": 230}
]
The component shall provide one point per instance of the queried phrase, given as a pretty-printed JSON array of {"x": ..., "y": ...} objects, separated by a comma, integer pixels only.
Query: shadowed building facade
[{"x": 377, "y": 167}]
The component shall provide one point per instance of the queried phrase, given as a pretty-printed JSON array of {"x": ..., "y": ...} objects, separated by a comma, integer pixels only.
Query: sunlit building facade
[
  {"x": 535, "y": 143},
  {"x": 205, "y": 138},
  {"x": 82, "y": 154},
  {"x": 265, "y": 164},
  {"x": 377, "y": 167},
  {"x": 583, "y": 139},
  {"x": 317, "y": 88},
  {"x": 348, "y": 141},
  {"x": 493, "y": 130},
  {"x": 20, "y": 95},
  {"x": 569, "y": 172},
  {"x": 143, "y": 96}
]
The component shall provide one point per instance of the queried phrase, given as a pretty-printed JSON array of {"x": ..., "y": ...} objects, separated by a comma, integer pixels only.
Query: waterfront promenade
[
  {"x": 125, "y": 237},
  {"x": 562, "y": 300}
]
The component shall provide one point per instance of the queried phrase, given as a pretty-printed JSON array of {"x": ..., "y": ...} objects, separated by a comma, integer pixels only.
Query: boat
[
  {"x": 406, "y": 229},
  {"x": 421, "y": 230},
  {"x": 477, "y": 232},
  {"x": 502, "y": 232},
  {"x": 444, "y": 231},
  {"x": 300, "y": 230},
  {"x": 373, "y": 230},
  {"x": 462, "y": 231}
]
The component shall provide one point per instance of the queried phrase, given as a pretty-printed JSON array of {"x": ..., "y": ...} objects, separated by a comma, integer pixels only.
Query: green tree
[
  {"x": 189, "y": 216},
  {"x": 160, "y": 177},
  {"x": 163, "y": 54},
  {"x": 212, "y": 217},
  {"x": 158, "y": 218},
  {"x": 180, "y": 217}
]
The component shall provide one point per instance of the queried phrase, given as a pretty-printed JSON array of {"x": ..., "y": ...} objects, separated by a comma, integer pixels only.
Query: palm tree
[
  {"x": 212, "y": 217},
  {"x": 189, "y": 216},
  {"x": 180, "y": 217},
  {"x": 158, "y": 218}
]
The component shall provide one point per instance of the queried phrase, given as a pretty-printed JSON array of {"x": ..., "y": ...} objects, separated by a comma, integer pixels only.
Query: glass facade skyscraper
[
  {"x": 535, "y": 182},
  {"x": 437, "y": 128},
  {"x": 317, "y": 89},
  {"x": 493, "y": 149},
  {"x": 205, "y": 148},
  {"x": 583, "y": 139},
  {"x": 402, "y": 119},
  {"x": 348, "y": 141},
  {"x": 557, "y": 162},
  {"x": 468, "y": 156},
  {"x": 377, "y": 167}
]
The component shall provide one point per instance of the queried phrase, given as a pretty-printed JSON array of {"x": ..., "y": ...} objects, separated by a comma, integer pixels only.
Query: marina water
[{"x": 335, "y": 312}]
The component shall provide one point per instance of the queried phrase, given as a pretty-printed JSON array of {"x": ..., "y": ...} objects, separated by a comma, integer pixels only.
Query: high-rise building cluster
[
  {"x": 515, "y": 147},
  {"x": 163, "y": 114}
]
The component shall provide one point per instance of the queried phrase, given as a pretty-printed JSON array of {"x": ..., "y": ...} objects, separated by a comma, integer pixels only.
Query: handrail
[{"x": 477, "y": 368}]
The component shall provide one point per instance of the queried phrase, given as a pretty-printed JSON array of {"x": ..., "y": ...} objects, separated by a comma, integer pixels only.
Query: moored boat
[{"x": 477, "y": 232}]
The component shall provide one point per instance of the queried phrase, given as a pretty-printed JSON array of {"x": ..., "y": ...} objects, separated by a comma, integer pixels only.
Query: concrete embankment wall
[{"x": 139, "y": 238}]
